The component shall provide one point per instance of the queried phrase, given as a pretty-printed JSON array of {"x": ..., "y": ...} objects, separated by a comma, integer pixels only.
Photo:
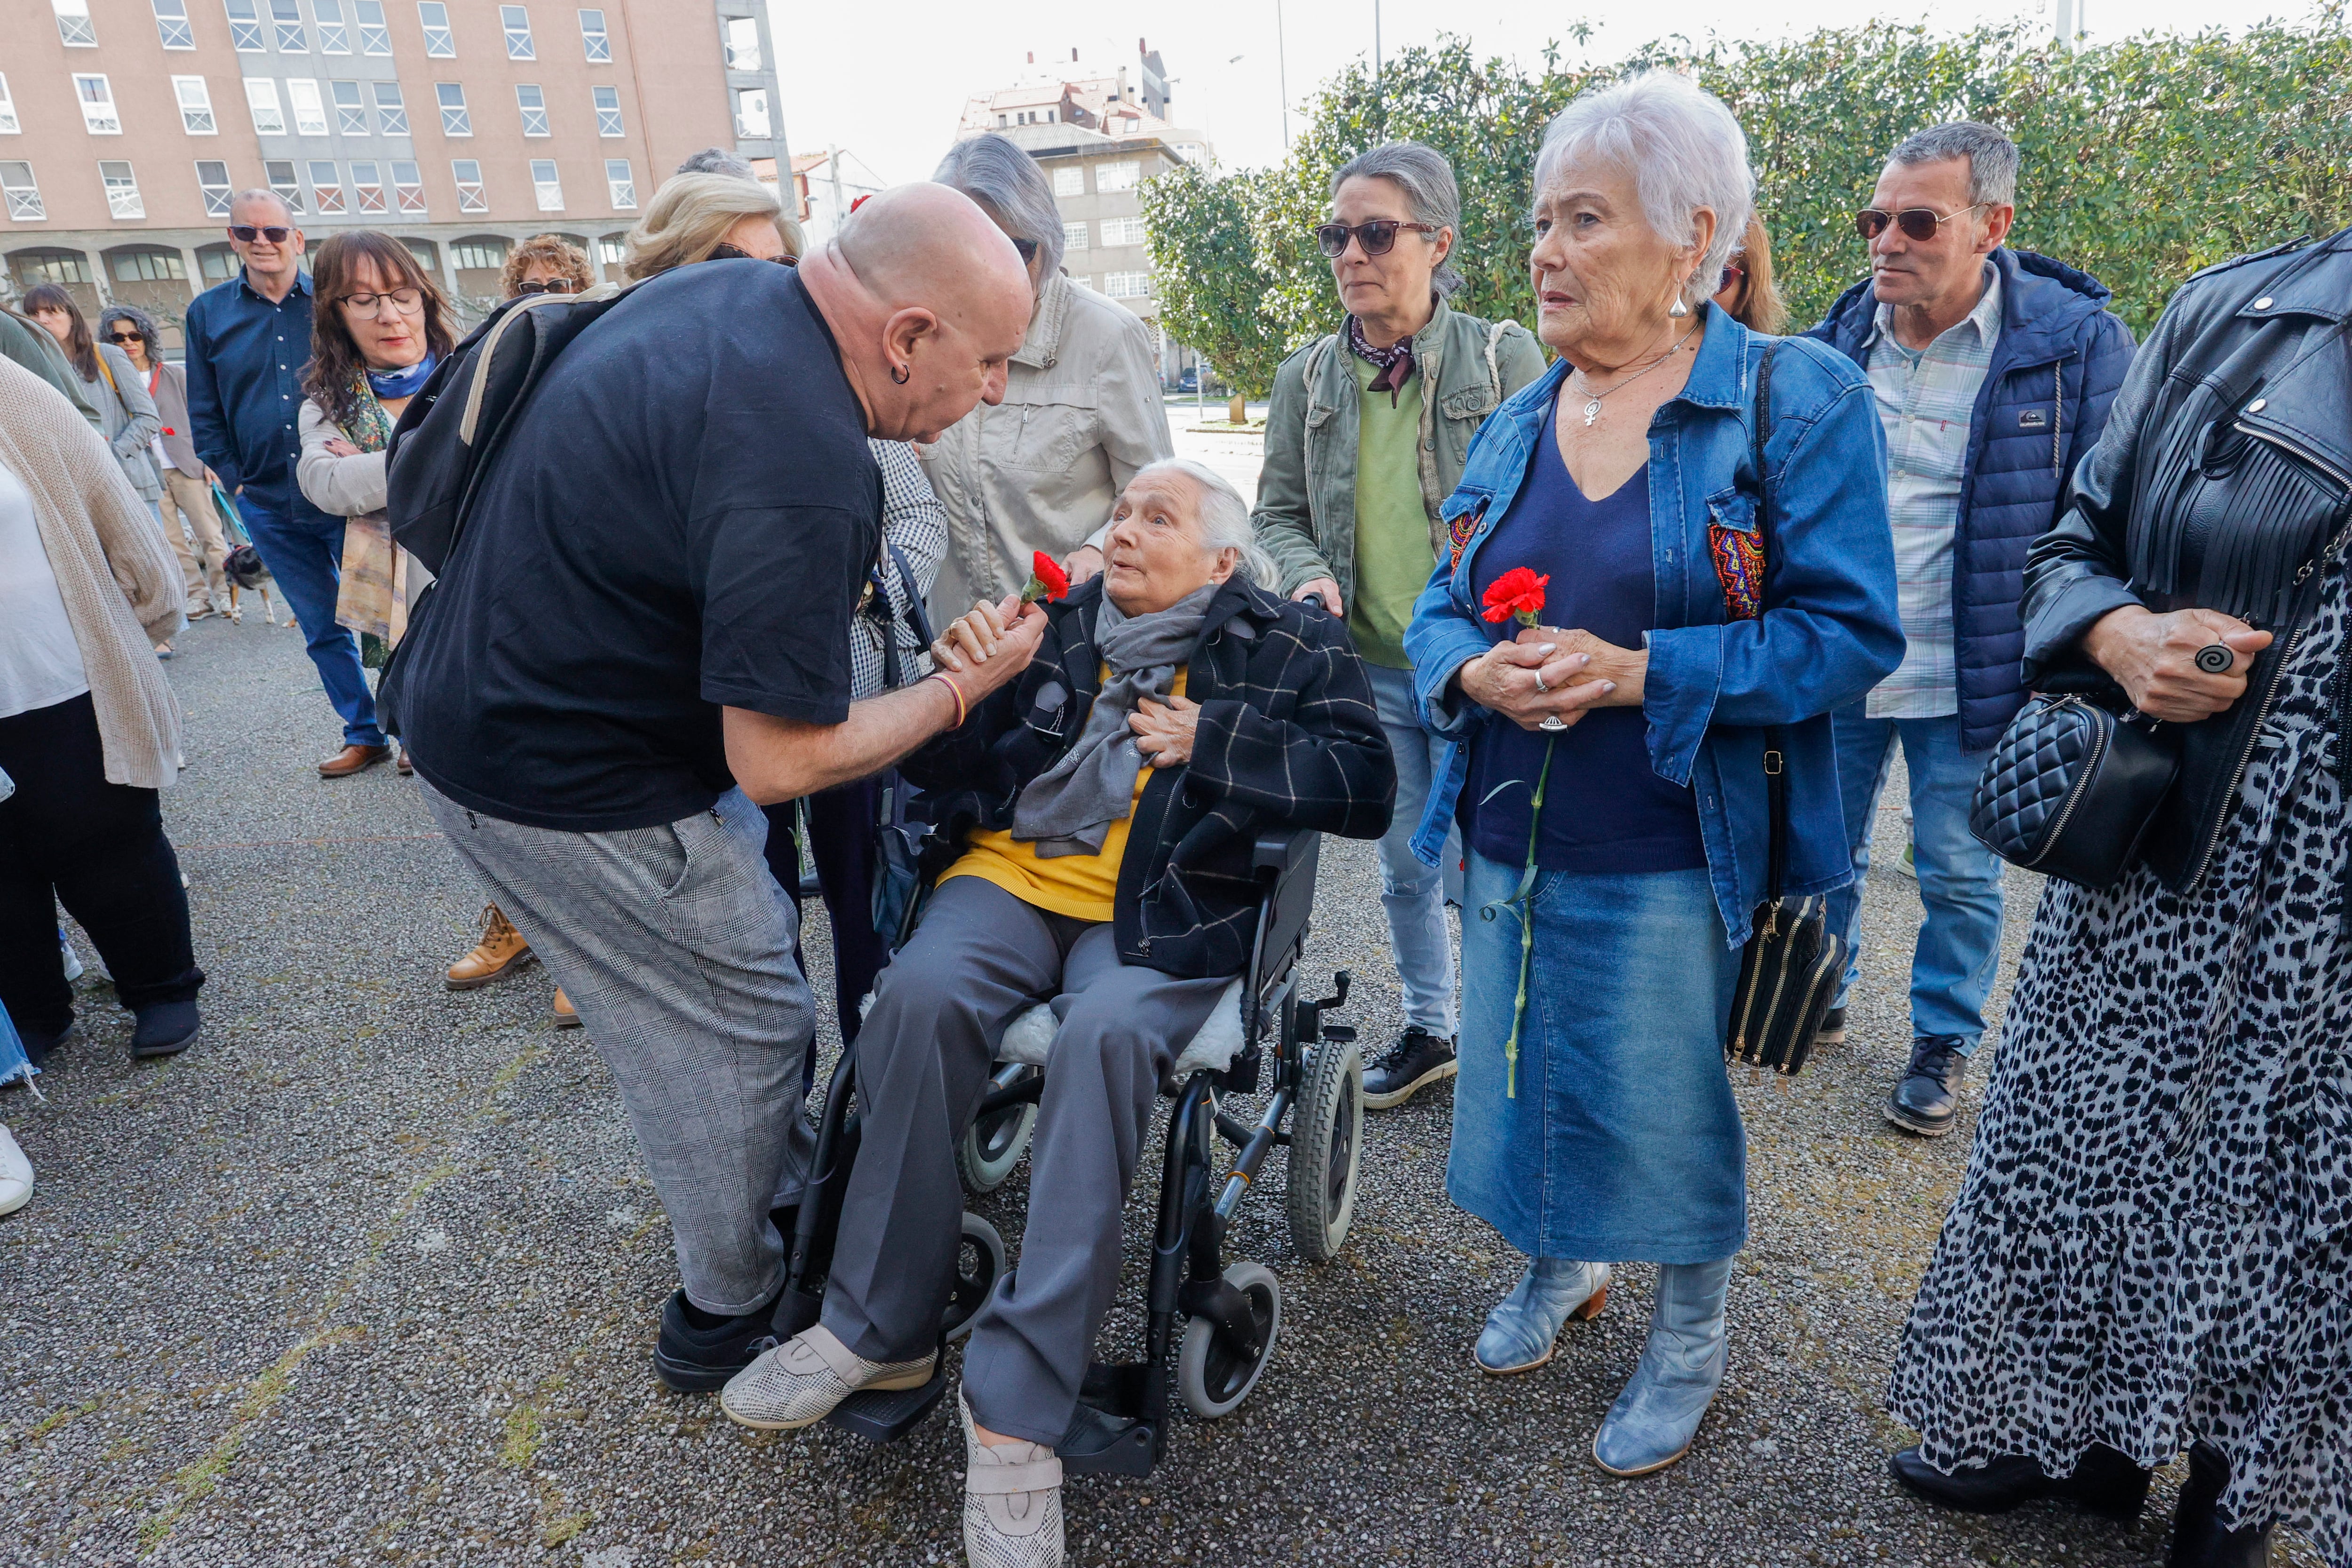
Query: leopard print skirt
[{"x": 2153, "y": 1244}]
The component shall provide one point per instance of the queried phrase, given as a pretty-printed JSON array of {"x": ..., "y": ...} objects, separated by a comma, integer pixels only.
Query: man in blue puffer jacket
[{"x": 1993, "y": 370}]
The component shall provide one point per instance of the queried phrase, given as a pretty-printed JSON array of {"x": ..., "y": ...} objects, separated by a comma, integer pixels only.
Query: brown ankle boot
[
  {"x": 500, "y": 954},
  {"x": 565, "y": 1015}
]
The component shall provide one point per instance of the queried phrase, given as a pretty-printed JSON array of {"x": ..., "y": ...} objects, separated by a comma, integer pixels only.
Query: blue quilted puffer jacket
[{"x": 2055, "y": 368}]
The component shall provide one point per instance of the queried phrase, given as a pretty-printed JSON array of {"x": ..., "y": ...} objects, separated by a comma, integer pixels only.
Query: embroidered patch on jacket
[
  {"x": 1740, "y": 567},
  {"x": 1461, "y": 529}
]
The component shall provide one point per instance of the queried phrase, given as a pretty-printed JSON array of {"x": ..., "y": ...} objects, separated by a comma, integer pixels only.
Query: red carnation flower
[
  {"x": 1047, "y": 579},
  {"x": 1517, "y": 595}
]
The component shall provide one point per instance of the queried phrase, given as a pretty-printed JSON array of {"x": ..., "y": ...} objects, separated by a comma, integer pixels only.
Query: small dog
[{"x": 245, "y": 570}]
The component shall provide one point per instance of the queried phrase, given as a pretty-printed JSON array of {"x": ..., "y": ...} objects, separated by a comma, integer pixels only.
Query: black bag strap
[
  {"x": 1775, "y": 737},
  {"x": 915, "y": 617}
]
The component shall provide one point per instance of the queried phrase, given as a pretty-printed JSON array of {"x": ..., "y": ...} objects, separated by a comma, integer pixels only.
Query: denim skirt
[{"x": 1622, "y": 1142}]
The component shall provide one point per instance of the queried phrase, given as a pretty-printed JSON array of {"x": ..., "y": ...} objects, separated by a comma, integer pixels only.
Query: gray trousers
[
  {"x": 680, "y": 952},
  {"x": 980, "y": 956}
]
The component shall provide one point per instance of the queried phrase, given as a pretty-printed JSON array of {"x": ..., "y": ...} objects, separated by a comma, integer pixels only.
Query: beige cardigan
[{"x": 118, "y": 579}]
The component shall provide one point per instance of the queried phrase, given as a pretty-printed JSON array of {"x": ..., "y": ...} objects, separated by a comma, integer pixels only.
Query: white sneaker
[
  {"x": 72, "y": 959},
  {"x": 16, "y": 1176},
  {"x": 1011, "y": 1501},
  {"x": 798, "y": 1382}
]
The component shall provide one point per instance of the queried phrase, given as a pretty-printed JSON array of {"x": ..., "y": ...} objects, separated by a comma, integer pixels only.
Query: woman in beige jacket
[{"x": 89, "y": 730}]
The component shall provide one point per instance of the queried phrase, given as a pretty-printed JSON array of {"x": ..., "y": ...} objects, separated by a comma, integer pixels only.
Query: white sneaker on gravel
[
  {"x": 16, "y": 1174},
  {"x": 798, "y": 1382},
  {"x": 1011, "y": 1501}
]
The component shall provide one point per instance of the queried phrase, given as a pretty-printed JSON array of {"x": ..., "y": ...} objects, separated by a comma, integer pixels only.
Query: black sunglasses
[
  {"x": 1378, "y": 238},
  {"x": 126, "y": 337},
  {"x": 722, "y": 251},
  {"x": 245, "y": 233},
  {"x": 545, "y": 286},
  {"x": 1917, "y": 223}
]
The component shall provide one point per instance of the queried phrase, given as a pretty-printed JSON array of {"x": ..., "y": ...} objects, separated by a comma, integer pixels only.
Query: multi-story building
[{"x": 463, "y": 126}]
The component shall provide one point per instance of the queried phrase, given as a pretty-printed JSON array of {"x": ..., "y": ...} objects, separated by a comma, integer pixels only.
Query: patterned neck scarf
[
  {"x": 1395, "y": 361},
  {"x": 371, "y": 427},
  {"x": 402, "y": 383}
]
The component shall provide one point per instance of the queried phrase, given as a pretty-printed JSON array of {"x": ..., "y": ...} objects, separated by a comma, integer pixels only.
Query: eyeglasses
[
  {"x": 1730, "y": 278},
  {"x": 405, "y": 300},
  {"x": 722, "y": 251},
  {"x": 1917, "y": 223},
  {"x": 546, "y": 286},
  {"x": 124, "y": 338},
  {"x": 1378, "y": 238},
  {"x": 245, "y": 233}
]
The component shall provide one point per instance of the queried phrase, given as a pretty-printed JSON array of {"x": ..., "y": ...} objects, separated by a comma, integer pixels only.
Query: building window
[
  {"x": 1128, "y": 284},
  {"x": 741, "y": 35},
  {"x": 97, "y": 113},
  {"x": 751, "y": 116},
  {"x": 594, "y": 39},
  {"x": 1120, "y": 176},
  {"x": 438, "y": 41},
  {"x": 310, "y": 109},
  {"x": 608, "y": 110},
  {"x": 374, "y": 37},
  {"x": 620, "y": 184},
  {"x": 212, "y": 179},
  {"x": 533, "y": 104},
  {"x": 122, "y": 188},
  {"x": 427, "y": 256},
  {"x": 351, "y": 109},
  {"x": 327, "y": 186},
  {"x": 454, "y": 121},
  {"x": 261, "y": 97},
  {"x": 74, "y": 23},
  {"x": 612, "y": 250},
  {"x": 195, "y": 106},
  {"x": 244, "y": 25},
  {"x": 24, "y": 196},
  {"x": 149, "y": 267},
  {"x": 334, "y": 39},
  {"x": 58, "y": 267},
  {"x": 280, "y": 172},
  {"x": 217, "y": 262},
  {"x": 999, "y": 122},
  {"x": 390, "y": 109},
  {"x": 1073, "y": 237},
  {"x": 516, "y": 20},
  {"x": 545, "y": 186},
  {"x": 409, "y": 185},
  {"x": 468, "y": 174},
  {"x": 1070, "y": 180},
  {"x": 485, "y": 254},
  {"x": 9, "y": 125},
  {"x": 288, "y": 16},
  {"x": 1123, "y": 231},
  {"x": 172, "y": 25},
  {"x": 367, "y": 185}
]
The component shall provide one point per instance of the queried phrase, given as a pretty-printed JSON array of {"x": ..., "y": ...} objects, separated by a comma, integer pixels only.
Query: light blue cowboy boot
[
  {"x": 1521, "y": 1329},
  {"x": 1651, "y": 1424}
]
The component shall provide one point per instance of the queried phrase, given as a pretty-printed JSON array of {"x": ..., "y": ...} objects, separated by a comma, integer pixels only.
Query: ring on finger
[{"x": 1539, "y": 682}]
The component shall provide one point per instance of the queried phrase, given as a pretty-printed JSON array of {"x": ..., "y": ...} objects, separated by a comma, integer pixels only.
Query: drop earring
[{"x": 1677, "y": 311}]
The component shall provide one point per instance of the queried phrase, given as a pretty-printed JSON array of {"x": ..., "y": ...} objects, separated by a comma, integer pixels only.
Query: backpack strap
[{"x": 1493, "y": 345}]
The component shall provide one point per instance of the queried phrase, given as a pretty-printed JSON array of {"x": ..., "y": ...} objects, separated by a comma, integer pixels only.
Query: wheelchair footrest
[
  {"x": 885, "y": 1415},
  {"x": 1100, "y": 1443}
]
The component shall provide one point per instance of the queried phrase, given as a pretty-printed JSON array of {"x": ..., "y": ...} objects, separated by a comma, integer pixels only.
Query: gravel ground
[{"x": 371, "y": 1274}]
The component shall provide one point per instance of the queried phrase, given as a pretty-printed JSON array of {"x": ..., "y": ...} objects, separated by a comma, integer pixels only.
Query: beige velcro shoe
[
  {"x": 798, "y": 1382},
  {"x": 1011, "y": 1501},
  {"x": 500, "y": 954}
]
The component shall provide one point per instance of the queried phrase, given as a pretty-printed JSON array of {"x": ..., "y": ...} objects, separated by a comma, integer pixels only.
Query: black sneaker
[
  {"x": 1417, "y": 1059},
  {"x": 1927, "y": 1100},
  {"x": 699, "y": 1359},
  {"x": 166, "y": 1028}
]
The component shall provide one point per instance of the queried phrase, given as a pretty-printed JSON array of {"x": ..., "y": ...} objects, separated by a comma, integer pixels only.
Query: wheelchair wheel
[
  {"x": 979, "y": 1264},
  {"x": 1213, "y": 1376},
  {"x": 993, "y": 1145},
  {"x": 1326, "y": 1134}
]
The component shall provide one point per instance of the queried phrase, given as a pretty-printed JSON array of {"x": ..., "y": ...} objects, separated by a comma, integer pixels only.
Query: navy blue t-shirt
[
  {"x": 1606, "y": 812},
  {"x": 682, "y": 519}
]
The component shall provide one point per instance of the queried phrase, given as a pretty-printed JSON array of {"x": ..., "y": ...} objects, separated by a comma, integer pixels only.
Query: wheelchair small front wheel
[
  {"x": 1327, "y": 1137},
  {"x": 993, "y": 1145},
  {"x": 1212, "y": 1373},
  {"x": 979, "y": 1264}
]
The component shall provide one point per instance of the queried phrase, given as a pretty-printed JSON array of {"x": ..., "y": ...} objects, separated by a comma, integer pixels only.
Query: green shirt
[{"x": 1392, "y": 552}]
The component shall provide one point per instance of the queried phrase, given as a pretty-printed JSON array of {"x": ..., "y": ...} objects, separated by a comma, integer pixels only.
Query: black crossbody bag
[{"x": 1789, "y": 971}]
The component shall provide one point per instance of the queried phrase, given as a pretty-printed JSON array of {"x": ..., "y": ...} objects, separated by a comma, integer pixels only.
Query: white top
[{"x": 40, "y": 663}]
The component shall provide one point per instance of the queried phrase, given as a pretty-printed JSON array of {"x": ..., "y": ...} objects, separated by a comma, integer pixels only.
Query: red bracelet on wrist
[{"x": 962, "y": 709}]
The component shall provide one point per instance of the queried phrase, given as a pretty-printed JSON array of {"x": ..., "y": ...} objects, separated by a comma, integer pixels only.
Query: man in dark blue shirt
[{"x": 249, "y": 344}]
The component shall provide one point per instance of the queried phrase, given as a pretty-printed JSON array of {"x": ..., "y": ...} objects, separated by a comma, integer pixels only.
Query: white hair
[
  {"x": 1684, "y": 151},
  {"x": 995, "y": 172},
  {"x": 1224, "y": 517}
]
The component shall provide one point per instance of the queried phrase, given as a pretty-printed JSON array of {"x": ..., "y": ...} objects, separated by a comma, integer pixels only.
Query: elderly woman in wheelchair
[{"x": 1110, "y": 804}]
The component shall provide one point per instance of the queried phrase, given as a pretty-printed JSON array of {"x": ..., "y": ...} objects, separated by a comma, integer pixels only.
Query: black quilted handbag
[{"x": 2071, "y": 788}]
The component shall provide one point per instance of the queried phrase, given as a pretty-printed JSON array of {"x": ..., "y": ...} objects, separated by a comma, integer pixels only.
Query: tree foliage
[
  {"x": 1210, "y": 282},
  {"x": 2144, "y": 160}
]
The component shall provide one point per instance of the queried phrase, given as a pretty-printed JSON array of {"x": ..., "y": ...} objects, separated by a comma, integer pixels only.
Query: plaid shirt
[
  {"x": 1925, "y": 401},
  {"x": 1288, "y": 738}
]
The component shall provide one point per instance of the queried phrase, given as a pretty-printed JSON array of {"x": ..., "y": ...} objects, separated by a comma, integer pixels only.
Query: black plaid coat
[{"x": 1288, "y": 738}]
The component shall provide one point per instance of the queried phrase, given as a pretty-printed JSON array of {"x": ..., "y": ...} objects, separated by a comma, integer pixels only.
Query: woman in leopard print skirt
[{"x": 2153, "y": 1246}]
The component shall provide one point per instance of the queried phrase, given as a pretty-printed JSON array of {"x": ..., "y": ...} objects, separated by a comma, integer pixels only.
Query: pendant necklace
[{"x": 1593, "y": 399}]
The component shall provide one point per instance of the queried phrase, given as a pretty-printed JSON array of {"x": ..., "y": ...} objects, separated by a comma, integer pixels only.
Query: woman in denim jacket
[{"x": 1606, "y": 766}]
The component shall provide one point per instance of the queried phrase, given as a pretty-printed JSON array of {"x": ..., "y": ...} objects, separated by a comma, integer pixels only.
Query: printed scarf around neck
[{"x": 1395, "y": 361}]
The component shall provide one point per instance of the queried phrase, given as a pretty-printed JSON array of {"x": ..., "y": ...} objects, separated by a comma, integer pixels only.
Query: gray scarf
[{"x": 1069, "y": 808}]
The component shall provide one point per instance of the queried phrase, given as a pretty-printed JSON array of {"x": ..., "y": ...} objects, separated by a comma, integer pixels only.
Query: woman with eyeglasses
[
  {"x": 191, "y": 523},
  {"x": 1082, "y": 413},
  {"x": 545, "y": 264},
  {"x": 1365, "y": 438},
  {"x": 1746, "y": 290}
]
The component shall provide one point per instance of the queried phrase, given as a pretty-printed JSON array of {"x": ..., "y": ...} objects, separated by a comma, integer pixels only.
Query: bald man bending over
[{"x": 642, "y": 637}]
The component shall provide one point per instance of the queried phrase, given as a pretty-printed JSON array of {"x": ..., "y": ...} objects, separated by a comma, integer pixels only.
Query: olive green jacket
[{"x": 1305, "y": 513}]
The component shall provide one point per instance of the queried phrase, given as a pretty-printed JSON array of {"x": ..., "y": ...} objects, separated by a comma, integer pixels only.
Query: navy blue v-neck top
[{"x": 1606, "y": 812}]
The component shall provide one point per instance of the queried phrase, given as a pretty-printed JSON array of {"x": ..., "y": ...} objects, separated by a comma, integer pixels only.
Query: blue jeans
[
  {"x": 1412, "y": 893},
  {"x": 305, "y": 556},
  {"x": 1958, "y": 948}
]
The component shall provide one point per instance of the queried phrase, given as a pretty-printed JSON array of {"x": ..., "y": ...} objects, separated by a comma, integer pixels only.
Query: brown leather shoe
[
  {"x": 351, "y": 760},
  {"x": 500, "y": 954},
  {"x": 406, "y": 768},
  {"x": 566, "y": 1018}
]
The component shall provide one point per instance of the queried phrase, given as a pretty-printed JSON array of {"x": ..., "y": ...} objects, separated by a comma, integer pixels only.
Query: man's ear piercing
[{"x": 900, "y": 375}]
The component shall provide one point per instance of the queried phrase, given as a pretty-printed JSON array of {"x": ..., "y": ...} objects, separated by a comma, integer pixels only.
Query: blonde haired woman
[{"x": 707, "y": 218}]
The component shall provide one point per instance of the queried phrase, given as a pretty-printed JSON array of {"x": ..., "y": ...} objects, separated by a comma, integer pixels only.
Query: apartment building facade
[{"x": 462, "y": 126}]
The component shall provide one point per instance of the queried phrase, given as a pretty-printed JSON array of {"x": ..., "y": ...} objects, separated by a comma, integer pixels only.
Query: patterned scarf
[
  {"x": 373, "y": 598},
  {"x": 1395, "y": 361}
]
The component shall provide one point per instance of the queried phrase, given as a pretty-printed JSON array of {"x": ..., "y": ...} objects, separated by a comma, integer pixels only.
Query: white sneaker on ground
[
  {"x": 1011, "y": 1501},
  {"x": 798, "y": 1382},
  {"x": 16, "y": 1174}
]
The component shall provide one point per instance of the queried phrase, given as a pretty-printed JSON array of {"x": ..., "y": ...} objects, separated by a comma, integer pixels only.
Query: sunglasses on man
[
  {"x": 546, "y": 286},
  {"x": 245, "y": 233},
  {"x": 722, "y": 251},
  {"x": 1917, "y": 223},
  {"x": 1378, "y": 238}
]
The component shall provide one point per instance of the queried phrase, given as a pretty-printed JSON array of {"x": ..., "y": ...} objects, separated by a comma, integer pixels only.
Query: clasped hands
[
  {"x": 991, "y": 644},
  {"x": 1547, "y": 673}
]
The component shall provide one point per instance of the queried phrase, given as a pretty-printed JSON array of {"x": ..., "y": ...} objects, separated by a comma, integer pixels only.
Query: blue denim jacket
[{"x": 1831, "y": 633}]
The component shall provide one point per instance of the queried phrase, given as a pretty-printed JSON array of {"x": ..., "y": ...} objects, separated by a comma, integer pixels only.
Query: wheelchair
[{"x": 1212, "y": 1324}]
